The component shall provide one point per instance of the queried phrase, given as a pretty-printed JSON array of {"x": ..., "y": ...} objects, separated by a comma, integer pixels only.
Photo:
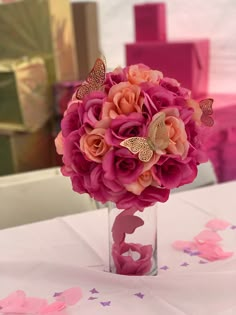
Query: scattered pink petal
[
  {"x": 70, "y": 296},
  {"x": 207, "y": 236},
  {"x": 53, "y": 307},
  {"x": 217, "y": 224},
  {"x": 15, "y": 298},
  {"x": 213, "y": 252},
  {"x": 184, "y": 245}
]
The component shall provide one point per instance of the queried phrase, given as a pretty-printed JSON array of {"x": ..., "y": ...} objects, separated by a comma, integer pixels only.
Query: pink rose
[
  {"x": 141, "y": 73},
  {"x": 114, "y": 77},
  {"x": 144, "y": 180},
  {"x": 123, "y": 127},
  {"x": 172, "y": 172},
  {"x": 90, "y": 110},
  {"x": 175, "y": 87},
  {"x": 100, "y": 188},
  {"x": 123, "y": 98},
  {"x": 71, "y": 120},
  {"x": 126, "y": 265},
  {"x": 148, "y": 197},
  {"x": 94, "y": 145},
  {"x": 122, "y": 165}
]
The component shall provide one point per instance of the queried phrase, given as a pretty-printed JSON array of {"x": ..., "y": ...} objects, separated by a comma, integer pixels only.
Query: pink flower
[
  {"x": 94, "y": 145},
  {"x": 123, "y": 98},
  {"x": 122, "y": 165},
  {"x": 148, "y": 197},
  {"x": 59, "y": 143},
  {"x": 172, "y": 172},
  {"x": 141, "y": 73},
  {"x": 197, "y": 112},
  {"x": 71, "y": 120},
  {"x": 175, "y": 87},
  {"x": 144, "y": 180},
  {"x": 126, "y": 265},
  {"x": 123, "y": 127},
  {"x": 90, "y": 110},
  {"x": 114, "y": 77}
]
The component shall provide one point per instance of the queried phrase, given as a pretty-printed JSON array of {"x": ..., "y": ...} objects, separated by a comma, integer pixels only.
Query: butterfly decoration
[
  {"x": 157, "y": 140},
  {"x": 95, "y": 79},
  {"x": 207, "y": 111}
]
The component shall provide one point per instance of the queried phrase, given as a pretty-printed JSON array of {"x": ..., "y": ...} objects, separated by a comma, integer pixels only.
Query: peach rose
[
  {"x": 59, "y": 143},
  {"x": 94, "y": 145},
  {"x": 123, "y": 98},
  {"x": 197, "y": 110},
  {"x": 145, "y": 179},
  {"x": 179, "y": 144},
  {"x": 141, "y": 73}
]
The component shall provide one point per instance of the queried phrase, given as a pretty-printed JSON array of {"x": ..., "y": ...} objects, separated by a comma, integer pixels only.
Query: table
[{"x": 51, "y": 256}]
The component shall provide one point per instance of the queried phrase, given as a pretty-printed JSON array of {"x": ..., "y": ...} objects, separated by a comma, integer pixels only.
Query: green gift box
[
  {"x": 21, "y": 151},
  {"x": 40, "y": 28},
  {"x": 25, "y": 104}
]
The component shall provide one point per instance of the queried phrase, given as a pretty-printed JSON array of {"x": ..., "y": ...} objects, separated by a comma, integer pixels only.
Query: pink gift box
[
  {"x": 186, "y": 61},
  {"x": 221, "y": 144},
  {"x": 150, "y": 22},
  {"x": 63, "y": 92}
]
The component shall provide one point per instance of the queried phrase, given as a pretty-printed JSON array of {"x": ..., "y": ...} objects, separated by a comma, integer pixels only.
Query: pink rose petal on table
[
  {"x": 17, "y": 302},
  {"x": 70, "y": 296},
  {"x": 217, "y": 224},
  {"x": 125, "y": 224},
  {"x": 212, "y": 252},
  {"x": 53, "y": 307},
  {"x": 207, "y": 236},
  {"x": 183, "y": 245}
]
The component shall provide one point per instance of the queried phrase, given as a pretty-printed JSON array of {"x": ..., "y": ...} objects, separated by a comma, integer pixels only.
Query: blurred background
[{"x": 47, "y": 48}]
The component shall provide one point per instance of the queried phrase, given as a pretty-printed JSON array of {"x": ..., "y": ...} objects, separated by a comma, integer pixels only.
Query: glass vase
[{"x": 132, "y": 241}]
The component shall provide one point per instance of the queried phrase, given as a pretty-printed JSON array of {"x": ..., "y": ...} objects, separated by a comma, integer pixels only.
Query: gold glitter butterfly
[
  {"x": 95, "y": 79},
  {"x": 207, "y": 111},
  {"x": 156, "y": 141}
]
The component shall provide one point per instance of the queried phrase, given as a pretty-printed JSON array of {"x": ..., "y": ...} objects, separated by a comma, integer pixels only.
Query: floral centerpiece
[{"x": 129, "y": 137}]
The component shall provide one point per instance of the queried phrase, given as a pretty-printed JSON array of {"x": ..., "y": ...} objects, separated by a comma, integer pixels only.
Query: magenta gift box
[
  {"x": 150, "y": 22},
  {"x": 63, "y": 92},
  {"x": 221, "y": 143},
  {"x": 186, "y": 61}
]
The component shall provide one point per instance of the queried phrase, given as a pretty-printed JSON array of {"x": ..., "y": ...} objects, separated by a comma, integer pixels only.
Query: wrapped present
[
  {"x": 221, "y": 143},
  {"x": 85, "y": 18},
  {"x": 22, "y": 152},
  {"x": 24, "y": 102},
  {"x": 187, "y": 61},
  {"x": 150, "y": 22},
  {"x": 40, "y": 27},
  {"x": 63, "y": 92}
]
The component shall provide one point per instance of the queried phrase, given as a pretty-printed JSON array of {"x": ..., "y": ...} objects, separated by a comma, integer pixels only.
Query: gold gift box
[
  {"x": 21, "y": 152},
  {"x": 40, "y": 28},
  {"x": 24, "y": 97}
]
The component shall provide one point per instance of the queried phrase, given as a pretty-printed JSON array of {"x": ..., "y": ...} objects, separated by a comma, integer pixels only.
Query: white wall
[{"x": 215, "y": 19}]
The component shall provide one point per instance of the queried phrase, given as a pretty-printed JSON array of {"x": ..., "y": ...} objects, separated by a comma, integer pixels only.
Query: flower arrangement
[{"x": 131, "y": 135}]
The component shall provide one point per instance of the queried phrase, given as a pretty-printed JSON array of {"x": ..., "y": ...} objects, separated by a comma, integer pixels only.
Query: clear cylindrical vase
[{"x": 132, "y": 241}]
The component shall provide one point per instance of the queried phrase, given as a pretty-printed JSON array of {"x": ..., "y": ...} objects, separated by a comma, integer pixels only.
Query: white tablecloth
[{"x": 51, "y": 256}]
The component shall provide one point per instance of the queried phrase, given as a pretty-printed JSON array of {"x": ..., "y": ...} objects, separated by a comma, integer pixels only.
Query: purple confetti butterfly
[
  {"x": 57, "y": 294},
  {"x": 233, "y": 227},
  {"x": 92, "y": 298},
  {"x": 202, "y": 262},
  {"x": 140, "y": 295},
  {"x": 187, "y": 250},
  {"x": 194, "y": 253},
  {"x": 184, "y": 264},
  {"x": 164, "y": 268},
  {"x": 93, "y": 291},
  {"x": 108, "y": 303}
]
